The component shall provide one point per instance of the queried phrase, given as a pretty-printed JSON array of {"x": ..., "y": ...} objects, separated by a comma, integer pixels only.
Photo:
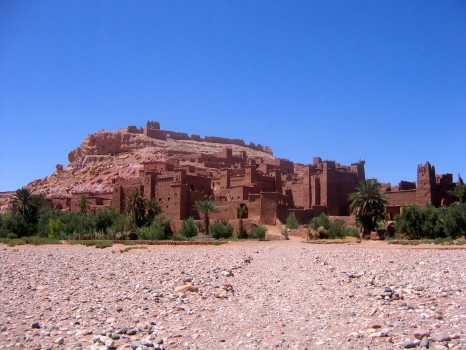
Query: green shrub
[
  {"x": 410, "y": 221},
  {"x": 103, "y": 244},
  {"x": 259, "y": 232},
  {"x": 292, "y": 222},
  {"x": 92, "y": 242},
  {"x": 221, "y": 229},
  {"x": 124, "y": 250},
  {"x": 160, "y": 229},
  {"x": 35, "y": 240},
  {"x": 55, "y": 227},
  {"x": 105, "y": 219},
  {"x": 320, "y": 221},
  {"x": 323, "y": 227},
  {"x": 15, "y": 224},
  {"x": 454, "y": 220},
  {"x": 432, "y": 223},
  {"x": 120, "y": 225},
  {"x": 188, "y": 228}
]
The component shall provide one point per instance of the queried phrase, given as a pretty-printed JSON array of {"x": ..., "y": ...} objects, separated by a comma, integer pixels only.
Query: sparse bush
[
  {"x": 285, "y": 233},
  {"x": 221, "y": 229},
  {"x": 89, "y": 243},
  {"x": 188, "y": 228},
  {"x": 127, "y": 249},
  {"x": 200, "y": 226},
  {"x": 34, "y": 240},
  {"x": 259, "y": 232},
  {"x": 292, "y": 222}
]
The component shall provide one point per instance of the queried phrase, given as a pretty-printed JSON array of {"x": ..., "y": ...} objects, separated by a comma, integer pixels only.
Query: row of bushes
[
  {"x": 432, "y": 223},
  {"x": 107, "y": 224}
]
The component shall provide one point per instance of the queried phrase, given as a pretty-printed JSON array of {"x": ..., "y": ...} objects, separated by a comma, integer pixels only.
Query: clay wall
[
  {"x": 300, "y": 195},
  {"x": 269, "y": 207},
  {"x": 60, "y": 203},
  {"x": 173, "y": 199},
  {"x": 226, "y": 141},
  {"x": 200, "y": 184},
  {"x": 155, "y": 134},
  {"x": 135, "y": 130},
  {"x": 425, "y": 184},
  {"x": 121, "y": 189},
  {"x": 254, "y": 207},
  {"x": 285, "y": 165},
  {"x": 406, "y": 185},
  {"x": 339, "y": 184},
  {"x": 106, "y": 143},
  {"x": 399, "y": 198},
  {"x": 358, "y": 168},
  {"x": 158, "y": 167}
]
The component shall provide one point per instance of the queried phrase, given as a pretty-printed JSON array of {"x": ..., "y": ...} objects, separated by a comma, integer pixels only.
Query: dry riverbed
[{"x": 252, "y": 295}]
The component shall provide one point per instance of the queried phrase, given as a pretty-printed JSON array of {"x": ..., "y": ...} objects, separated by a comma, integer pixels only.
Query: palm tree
[
  {"x": 241, "y": 209},
  {"x": 368, "y": 203},
  {"x": 153, "y": 208},
  {"x": 27, "y": 204},
  {"x": 136, "y": 208},
  {"x": 459, "y": 192},
  {"x": 206, "y": 207}
]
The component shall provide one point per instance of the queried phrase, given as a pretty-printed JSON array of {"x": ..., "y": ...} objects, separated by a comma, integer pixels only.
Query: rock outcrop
[{"x": 108, "y": 155}]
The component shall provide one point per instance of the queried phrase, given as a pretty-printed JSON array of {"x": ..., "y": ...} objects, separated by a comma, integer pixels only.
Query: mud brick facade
[
  {"x": 431, "y": 189},
  {"x": 270, "y": 188}
]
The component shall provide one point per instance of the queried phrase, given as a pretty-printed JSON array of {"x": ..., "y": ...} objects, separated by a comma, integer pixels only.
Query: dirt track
[{"x": 254, "y": 295}]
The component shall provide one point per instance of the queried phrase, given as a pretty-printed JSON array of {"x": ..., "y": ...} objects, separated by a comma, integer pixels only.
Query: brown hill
[{"x": 106, "y": 155}]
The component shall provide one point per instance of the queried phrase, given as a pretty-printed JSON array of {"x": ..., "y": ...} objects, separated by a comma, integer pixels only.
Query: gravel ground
[{"x": 253, "y": 295}]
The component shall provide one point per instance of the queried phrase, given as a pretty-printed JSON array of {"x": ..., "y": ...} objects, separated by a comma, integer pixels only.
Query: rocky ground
[{"x": 254, "y": 295}]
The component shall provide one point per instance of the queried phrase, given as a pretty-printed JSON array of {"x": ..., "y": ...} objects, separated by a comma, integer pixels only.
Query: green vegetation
[
  {"x": 127, "y": 249},
  {"x": 159, "y": 230},
  {"x": 188, "y": 228},
  {"x": 459, "y": 192},
  {"x": 34, "y": 240},
  {"x": 368, "y": 203},
  {"x": 324, "y": 228},
  {"x": 259, "y": 232},
  {"x": 206, "y": 207},
  {"x": 89, "y": 243},
  {"x": 136, "y": 209},
  {"x": 221, "y": 229},
  {"x": 153, "y": 209},
  {"x": 291, "y": 222},
  {"x": 432, "y": 223},
  {"x": 83, "y": 205}
]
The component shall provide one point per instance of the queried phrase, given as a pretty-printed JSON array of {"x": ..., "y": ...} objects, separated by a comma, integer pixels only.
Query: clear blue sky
[{"x": 383, "y": 81}]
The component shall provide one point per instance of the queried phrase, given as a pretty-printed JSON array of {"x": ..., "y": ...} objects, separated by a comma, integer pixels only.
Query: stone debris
[{"x": 291, "y": 295}]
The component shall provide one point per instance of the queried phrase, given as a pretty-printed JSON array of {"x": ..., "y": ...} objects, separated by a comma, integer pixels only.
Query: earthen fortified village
[{"x": 270, "y": 188}]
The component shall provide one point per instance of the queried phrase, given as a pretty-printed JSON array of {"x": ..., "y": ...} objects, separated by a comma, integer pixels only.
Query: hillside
[{"x": 108, "y": 155}]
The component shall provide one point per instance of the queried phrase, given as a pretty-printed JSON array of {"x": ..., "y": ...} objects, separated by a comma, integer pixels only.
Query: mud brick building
[{"x": 430, "y": 189}]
